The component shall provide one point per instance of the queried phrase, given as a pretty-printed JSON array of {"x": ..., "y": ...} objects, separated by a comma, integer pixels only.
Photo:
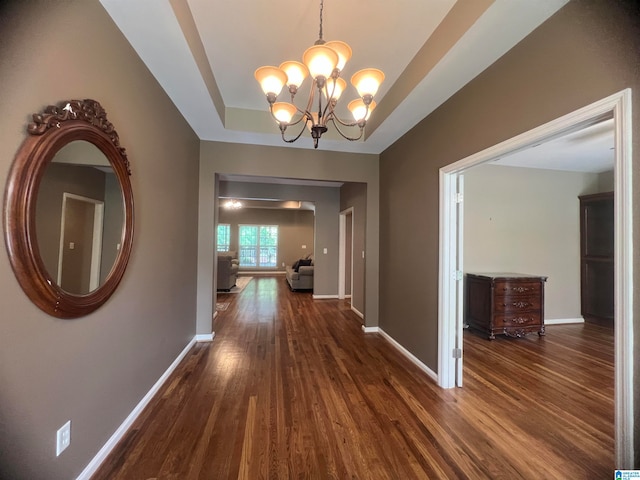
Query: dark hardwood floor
[{"x": 292, "y": 388}]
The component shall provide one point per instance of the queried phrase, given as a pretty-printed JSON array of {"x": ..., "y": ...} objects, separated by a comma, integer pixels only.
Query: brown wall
[
  {"x": 58, "y": 179},
  {"x": 587, "y": 51},
  {"x": 93, "y": 370}
]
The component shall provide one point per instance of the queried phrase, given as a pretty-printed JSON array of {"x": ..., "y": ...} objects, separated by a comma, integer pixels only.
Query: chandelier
[
  {"x": 324, "y": 62},
  {"x": 233, "y": 204}
]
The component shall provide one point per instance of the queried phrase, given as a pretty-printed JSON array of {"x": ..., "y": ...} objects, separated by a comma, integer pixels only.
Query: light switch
[
  {"x": 72, "y": 245},
  {"x": 324, "y": 251},
  {"x": 304, "y": 246}
]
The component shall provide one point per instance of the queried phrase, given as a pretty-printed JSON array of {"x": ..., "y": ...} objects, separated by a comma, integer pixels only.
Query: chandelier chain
[{"x": 321, "y": 8}]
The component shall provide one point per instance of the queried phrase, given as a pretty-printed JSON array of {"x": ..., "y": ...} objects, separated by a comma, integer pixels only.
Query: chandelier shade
[
  {"x": 324, "y": 63},
  {"x": 284, "y": 111},
  {"x": 320, "y": 60},
  {"x": 361, "y": 111},
  {"x": 335, "y": 87},
  {"x": 343, "y": 50},
  {"x": 296, "y": 73},
  {"x": 271, "y": 79},
  {"x": 367, "y": 81}
]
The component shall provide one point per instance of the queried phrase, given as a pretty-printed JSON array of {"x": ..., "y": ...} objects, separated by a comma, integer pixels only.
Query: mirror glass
[{"x": 79, "y": 217}]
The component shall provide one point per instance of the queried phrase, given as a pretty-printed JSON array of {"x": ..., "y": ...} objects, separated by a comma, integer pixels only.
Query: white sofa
[{"x": 300, "y": 274}]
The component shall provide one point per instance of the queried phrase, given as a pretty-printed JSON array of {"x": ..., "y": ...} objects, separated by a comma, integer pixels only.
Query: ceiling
[
  {"x": 204, "y": 53},
  {"x": 590, "y": 149}
]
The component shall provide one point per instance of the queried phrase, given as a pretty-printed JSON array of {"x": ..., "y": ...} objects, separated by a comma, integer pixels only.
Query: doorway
[
  {"x": 80, "y": 244},
  {"x": 450, "y": 317}
]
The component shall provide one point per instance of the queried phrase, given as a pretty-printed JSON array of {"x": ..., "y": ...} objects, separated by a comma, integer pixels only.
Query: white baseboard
[
  {"x": 104, "y": 452},
  {"x": 370, "y": 329},
  {"x": 563, "y": 321},
  {"x": 324, "y": 297},
  {"x": 244, "y": 273},
  {"x": 205, "y": 337},
  {"x": 357, "y": 312},
  {"x": 433, "y": 375}
]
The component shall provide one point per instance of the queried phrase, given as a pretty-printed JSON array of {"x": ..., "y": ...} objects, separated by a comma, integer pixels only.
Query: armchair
[{"x": 227, "y": 270}]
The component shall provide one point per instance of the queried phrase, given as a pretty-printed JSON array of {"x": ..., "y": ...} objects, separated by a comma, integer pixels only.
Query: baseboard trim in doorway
[
  {"x": 366, "y": 329},
  {"x": 415, "y": 360},
  {"x": 563, "y": 321},
  {"x": 104, "y": 452},
  {"x": 261, "y": 272},
  {"x": 357, "y": 312},
  {"x": 324, "y": 297},
  {"x": 205, "y": 337}
]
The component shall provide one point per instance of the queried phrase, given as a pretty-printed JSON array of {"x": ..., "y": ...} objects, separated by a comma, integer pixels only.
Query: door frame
[
  {"x": 450, "y": 302},
  {"x": 96, "y": 245},
  {"x": 342, "y": 252}
]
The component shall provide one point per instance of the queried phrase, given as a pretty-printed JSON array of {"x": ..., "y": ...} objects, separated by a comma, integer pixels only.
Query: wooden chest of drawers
[{"x": 505, "y": 303}]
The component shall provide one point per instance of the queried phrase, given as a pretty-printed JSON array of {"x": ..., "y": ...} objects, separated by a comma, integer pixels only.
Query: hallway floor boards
[{"x": 292, "y": 388}]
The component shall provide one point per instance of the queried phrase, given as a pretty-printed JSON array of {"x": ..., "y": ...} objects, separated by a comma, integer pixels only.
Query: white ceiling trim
[
  {"x": 161, "y": 45},
  {"x": 463, "y": 63},
  {"x": 153, "y": 30}
]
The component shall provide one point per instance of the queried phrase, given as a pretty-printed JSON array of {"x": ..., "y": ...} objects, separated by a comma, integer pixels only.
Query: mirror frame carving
[{"x": 50, "y": 130}]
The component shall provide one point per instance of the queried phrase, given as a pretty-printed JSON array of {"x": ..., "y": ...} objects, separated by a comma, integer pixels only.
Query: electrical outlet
[
  {"x": 63, "y": 438},
  {"x": 283, "y": 264}
]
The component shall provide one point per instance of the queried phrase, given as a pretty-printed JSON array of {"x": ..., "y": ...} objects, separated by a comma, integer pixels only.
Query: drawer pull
[
  {"x": 521, "y": 320},
  {"x": 516, "y": 332},
  {"x": 519, "y": 304},
  {"x": 518, "y": 289}
]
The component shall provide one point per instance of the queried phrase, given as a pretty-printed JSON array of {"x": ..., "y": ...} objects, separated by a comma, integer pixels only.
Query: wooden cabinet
[
  {"x": 505, "y": 303},
  {"x": 596, "y": 257}
]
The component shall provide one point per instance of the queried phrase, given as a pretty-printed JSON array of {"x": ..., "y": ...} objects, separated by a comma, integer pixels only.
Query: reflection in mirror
[{"x": 79, "y": 217}]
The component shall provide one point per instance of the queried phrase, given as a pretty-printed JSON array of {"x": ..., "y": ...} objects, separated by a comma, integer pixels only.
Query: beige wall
[
  {"x": 585, "y": 52},
  {"x": 288, "y": 162},
  {"x": 527, "y": 220},
  {"x": 95, "y": 369},
  {"x": 354, "y": 195},
  {"x": 606, "y": 181},
  {"x": 295, "y": 229}
]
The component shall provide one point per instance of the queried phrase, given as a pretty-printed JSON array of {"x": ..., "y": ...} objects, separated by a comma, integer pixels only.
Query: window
[
  {"x": 258, "y": 245},
  {"x": 224, "y": 237}
]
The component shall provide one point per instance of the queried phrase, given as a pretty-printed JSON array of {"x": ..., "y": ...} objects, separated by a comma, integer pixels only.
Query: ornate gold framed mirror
[{"x": 68, "y": 209}]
